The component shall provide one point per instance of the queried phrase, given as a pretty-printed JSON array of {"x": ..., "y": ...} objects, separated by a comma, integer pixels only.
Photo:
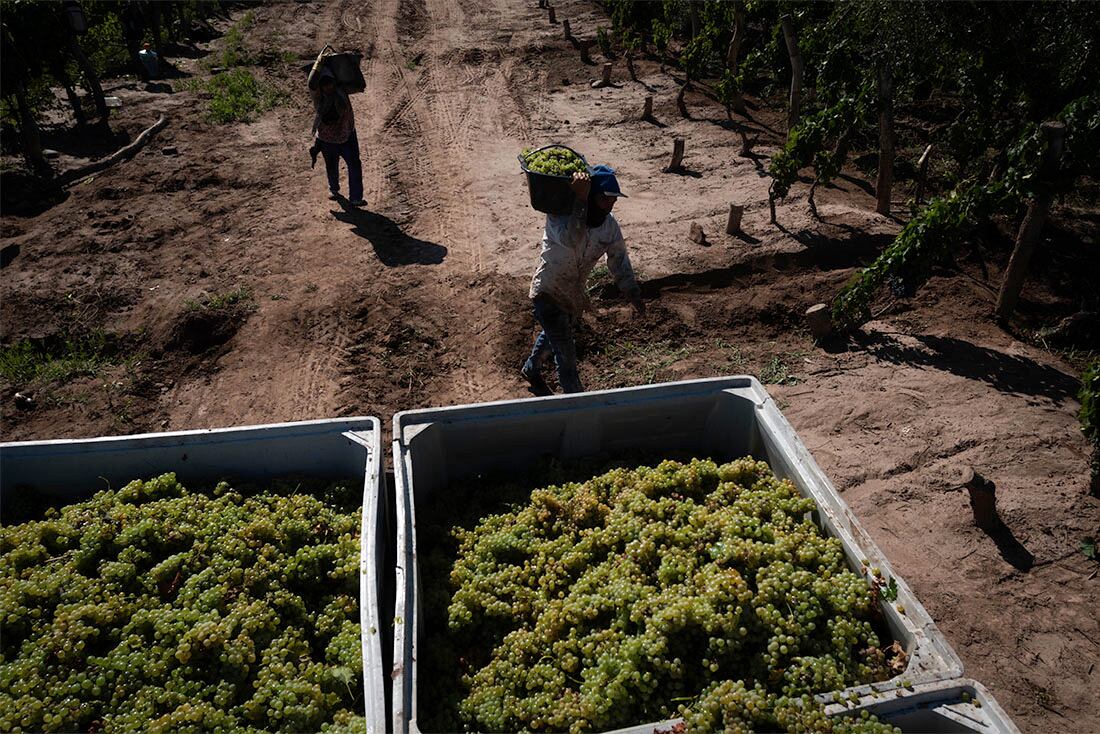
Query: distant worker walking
[
  {"x": 334, "y": 132},
  {"x": 150, "y": 61},
  {"x": 572, "y": 244}
]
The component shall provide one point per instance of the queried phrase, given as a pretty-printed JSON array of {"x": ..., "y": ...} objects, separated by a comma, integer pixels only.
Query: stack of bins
[
  {"x": 722, "y": 418},
  {"x": 349, "y": 448}
]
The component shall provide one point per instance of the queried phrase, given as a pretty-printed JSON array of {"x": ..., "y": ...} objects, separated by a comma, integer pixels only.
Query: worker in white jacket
[{"x": 572, "y": 244}]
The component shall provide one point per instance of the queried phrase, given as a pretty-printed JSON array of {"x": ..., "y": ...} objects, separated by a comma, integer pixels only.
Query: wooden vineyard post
[
  {"x": 605, "y": 77},
  {"x": 922, "y": 172},
  {"x": 565, "y": 28},
  {"x": 630, "y": 66},
  {"x": 983, "y": 499},
  {"x": 677, "y": 162},
  {"x": 1027, "y": 237},
  {"x": 796, "y": 71},
  {"x": 647, "y": 108},
  {"x": 884, "y": 183},
  {"x": 819, "y": 321},
  {"x": 584, "y": 46},
  {"x": 733, "y": 221},
  {"x": 680, "y": 103},
  {"x": 553, "y": 17}
]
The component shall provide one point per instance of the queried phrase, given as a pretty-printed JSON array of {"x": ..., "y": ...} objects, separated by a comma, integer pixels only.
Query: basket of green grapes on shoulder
[{"x": 549, "y": 171}]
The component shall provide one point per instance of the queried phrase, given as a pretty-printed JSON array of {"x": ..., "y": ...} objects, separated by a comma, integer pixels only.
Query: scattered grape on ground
[
  {"x": 155, "y": 608},
  {"x": 554, "y": 161},
  {"x": 685, "y": 589}
]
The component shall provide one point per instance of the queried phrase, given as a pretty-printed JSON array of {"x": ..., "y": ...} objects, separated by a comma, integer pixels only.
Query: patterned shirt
[{"x": 333, "y": 132}]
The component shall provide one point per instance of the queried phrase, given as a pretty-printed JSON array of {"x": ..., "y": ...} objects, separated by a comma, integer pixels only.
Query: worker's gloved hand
[
  {"x": 637, "y": 302},
  {"x": 581, "y": 185}
]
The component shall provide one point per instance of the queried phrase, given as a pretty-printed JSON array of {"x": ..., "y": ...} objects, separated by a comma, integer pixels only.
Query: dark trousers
[
  {"x": 349, "y": 151},
  {"x": 555, "y": 338}
]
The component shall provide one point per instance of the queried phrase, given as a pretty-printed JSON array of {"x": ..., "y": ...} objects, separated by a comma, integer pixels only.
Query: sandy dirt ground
[{"x": 421, "y": 299}]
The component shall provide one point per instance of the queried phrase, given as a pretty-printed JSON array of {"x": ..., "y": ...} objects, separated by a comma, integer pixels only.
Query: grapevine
[
  {"x": 554, "y": 161},
  {"x": 156, "y": 608},
  {"x": 685, "y": 589},
  {"x": 930, "y": 236}
]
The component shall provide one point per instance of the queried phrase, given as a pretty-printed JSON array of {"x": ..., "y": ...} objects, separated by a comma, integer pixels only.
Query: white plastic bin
[
  {"x": 349, "y": 448},
  {"x": 723, "y": 418},
  {"x": 961, "y": 706}
]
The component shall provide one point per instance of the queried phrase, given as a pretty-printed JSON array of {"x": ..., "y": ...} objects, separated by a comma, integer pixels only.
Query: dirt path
[{"x": 420, "y": 299}]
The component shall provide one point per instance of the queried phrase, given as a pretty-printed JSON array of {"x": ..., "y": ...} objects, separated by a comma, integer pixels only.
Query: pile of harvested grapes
[
  {"x": 155, "y": 608},
  {"x": 554, "y": 161},
  {"x": 686, "y": 589}
]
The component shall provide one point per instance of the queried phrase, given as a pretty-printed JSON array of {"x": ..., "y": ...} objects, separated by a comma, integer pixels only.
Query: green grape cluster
[
  {"x": 554, "y": 161},
  {"x": 155, "y": 608},
  {"x": 685, "y": 589}
]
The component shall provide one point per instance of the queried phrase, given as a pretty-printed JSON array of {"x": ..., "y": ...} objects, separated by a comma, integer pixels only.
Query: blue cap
[{"x": 604, "y": 179}]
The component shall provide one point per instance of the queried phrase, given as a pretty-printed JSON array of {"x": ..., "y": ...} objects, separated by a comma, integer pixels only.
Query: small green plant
[
  {"x": 777, "y": 372},
  {"x": 1088, "y": 547},
  {"x": 603, "y": 38},
  {"x": 735, "y": 360},
  {"x": 233, "y": 51},
  {"x": 239, "y": 298},
  {"x": 237, "y": 95},
  {"x": 55, "y": 360},
  {"x": 636, "y": 363},
  {"x": 597, "y": 279}
]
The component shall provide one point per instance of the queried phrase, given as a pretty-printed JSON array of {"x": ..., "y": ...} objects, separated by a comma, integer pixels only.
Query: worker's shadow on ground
[{"x": 393, "y": 247}]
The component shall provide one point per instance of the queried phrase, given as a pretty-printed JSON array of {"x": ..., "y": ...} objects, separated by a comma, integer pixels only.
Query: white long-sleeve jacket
[{"x": 569, "y": 252}]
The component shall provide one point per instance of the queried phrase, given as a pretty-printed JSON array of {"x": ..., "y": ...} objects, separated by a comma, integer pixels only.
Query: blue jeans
[
  {"x": 349, "y": 151},
  {"x": 556, "y": 337}
]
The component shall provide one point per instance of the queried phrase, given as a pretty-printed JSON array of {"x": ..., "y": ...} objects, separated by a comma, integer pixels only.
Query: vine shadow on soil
[
  {"x": 1007, "y": 373},
  {"x": 393, "y": 247}
]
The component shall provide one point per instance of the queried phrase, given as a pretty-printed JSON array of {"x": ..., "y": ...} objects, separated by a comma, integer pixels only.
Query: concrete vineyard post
[{"x": 733, "y": 221}]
